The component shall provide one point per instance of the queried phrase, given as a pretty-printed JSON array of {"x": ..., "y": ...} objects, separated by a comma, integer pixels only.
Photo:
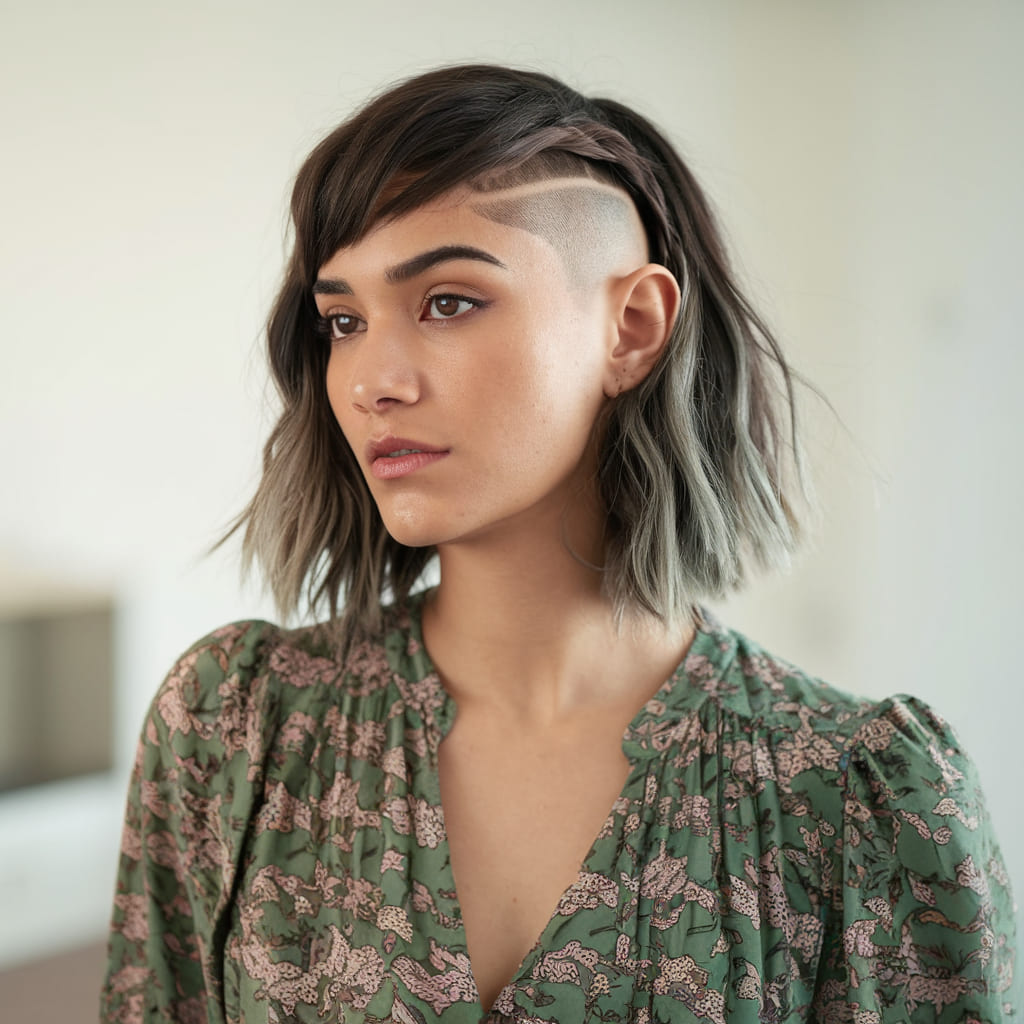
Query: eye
[
  {"x": 447, "y": 307},
  {"x": 338, "y": 326}
]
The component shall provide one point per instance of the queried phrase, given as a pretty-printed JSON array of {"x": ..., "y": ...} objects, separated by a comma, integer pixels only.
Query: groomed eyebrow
[{"x": 413, "y": 267}]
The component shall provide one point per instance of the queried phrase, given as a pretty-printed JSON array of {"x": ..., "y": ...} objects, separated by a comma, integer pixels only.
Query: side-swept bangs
[{"x": 695, "y": 462}]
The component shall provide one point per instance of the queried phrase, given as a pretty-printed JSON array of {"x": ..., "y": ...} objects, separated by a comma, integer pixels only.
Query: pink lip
[{"x": 386, "y": 466}]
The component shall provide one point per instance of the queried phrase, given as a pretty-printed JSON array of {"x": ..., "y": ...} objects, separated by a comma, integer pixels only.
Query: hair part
[{"x": 699, "y": 471}]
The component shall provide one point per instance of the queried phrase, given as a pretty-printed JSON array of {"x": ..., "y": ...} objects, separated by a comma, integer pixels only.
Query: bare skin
[
  {"x": 545, "y": 687},
  {"x": 500, "y": 367}
]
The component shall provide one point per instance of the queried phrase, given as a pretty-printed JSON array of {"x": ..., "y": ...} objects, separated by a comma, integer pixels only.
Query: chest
[
  {"x": 363, "y": 894},
  {"x": 522, "y": 811}
]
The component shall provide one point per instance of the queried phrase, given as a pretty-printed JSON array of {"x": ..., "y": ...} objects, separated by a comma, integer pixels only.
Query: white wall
[{"x": 866, "y": 161}]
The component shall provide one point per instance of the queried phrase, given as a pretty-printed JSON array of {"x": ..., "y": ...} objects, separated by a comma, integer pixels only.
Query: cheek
[
  {"x": 566, "y": 385},
  {"x": 339, "y": 397},
  {"x": 336, "y": 385}
]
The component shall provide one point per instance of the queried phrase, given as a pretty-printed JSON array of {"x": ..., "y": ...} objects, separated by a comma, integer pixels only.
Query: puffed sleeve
[
  {"x": 197, "y": 772},
  {"x": 922, "y": 918}
]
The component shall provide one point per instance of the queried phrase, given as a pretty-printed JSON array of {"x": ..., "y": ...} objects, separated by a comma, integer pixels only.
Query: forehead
[{"x": 451, "y": 220}]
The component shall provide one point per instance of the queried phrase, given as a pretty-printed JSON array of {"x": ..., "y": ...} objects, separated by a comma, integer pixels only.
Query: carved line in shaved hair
[{"x": 592, "y": 226}]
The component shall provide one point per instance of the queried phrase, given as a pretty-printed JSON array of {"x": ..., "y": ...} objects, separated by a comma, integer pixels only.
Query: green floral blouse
[{"x": 781, "y": 851}]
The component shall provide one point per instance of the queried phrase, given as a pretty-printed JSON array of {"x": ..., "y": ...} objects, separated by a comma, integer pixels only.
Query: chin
[
  {"x": 414, "y": 532},
  {"x": 411, "y": 541}
]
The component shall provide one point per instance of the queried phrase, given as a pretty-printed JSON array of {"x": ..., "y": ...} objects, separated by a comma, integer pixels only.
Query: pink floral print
[{"x": 781, "y": 851}]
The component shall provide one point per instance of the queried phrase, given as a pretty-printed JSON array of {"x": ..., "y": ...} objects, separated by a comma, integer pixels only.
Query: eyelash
[
  {"x": 474, "y": 303},
  {"x": 325, "y": 324}
]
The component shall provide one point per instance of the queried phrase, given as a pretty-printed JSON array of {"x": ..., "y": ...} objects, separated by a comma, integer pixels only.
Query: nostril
[{"x": 364, "y": 402}]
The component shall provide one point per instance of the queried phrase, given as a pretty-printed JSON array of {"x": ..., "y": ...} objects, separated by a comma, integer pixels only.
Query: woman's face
[{"x": 466, "y": 374}]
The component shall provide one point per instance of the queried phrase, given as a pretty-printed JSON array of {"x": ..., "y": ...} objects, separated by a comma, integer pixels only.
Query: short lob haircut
[{"x": 699, "y": 473}]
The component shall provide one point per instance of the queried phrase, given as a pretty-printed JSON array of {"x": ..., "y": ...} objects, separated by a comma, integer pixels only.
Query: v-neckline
[
  {"x": 642, "y": 727},
  {"x": 585, "y": 868}
]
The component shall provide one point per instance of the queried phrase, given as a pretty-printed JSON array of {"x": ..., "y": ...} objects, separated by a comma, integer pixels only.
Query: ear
[{"x": 645, "y": 305}]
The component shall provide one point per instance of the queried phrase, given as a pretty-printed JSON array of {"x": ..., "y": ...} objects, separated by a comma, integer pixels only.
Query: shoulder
[
  {"x": 243, "y": 663},
  {"x": 225, "y": 697},
  {"x": 236, "y": 651},
  {"x": 254, "y": 673},
  {"x": 774, "y": 698},
  {"x": 849, "y": 758},
  {"x": 921, "y": 909}
]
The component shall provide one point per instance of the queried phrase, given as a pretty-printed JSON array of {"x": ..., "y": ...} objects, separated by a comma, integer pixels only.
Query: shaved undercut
[{"x": 593, "y": 226}]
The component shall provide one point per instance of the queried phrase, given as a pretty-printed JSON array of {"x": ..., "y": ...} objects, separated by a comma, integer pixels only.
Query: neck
[{"x": 525, "y": 628}]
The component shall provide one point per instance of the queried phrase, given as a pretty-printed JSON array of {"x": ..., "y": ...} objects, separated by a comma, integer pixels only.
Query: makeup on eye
[
  {"x": 450, "y": 306},
  {"x": 338, "y": 326},
  {"x": 436, "y": 307}
]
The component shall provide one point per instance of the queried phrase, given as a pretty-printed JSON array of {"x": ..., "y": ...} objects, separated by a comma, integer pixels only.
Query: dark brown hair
[{"x": 694, "y": 468}]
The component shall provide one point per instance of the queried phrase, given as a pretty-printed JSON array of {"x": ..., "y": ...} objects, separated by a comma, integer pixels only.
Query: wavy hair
[{"x": 697, "y": 463}]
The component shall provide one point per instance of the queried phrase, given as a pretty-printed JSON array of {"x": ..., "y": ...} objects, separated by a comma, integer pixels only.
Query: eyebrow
[{"x": 413, "y": 267}]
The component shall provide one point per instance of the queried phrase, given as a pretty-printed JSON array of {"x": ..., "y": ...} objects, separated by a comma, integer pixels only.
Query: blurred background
[{"x": 865, "y": 158}]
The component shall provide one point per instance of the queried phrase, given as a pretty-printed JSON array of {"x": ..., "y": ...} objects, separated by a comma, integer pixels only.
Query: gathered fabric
[{"x": 781, "y": 851}]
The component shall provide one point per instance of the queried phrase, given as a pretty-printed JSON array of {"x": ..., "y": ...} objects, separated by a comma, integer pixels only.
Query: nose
[{"x": 383, "y": 370}]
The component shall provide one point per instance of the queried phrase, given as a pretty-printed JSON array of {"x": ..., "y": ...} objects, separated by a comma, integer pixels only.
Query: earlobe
[{"x": 645, "y": 305}]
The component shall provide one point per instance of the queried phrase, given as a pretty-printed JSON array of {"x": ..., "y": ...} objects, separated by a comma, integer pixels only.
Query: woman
[{"x": 508, "y": 338}]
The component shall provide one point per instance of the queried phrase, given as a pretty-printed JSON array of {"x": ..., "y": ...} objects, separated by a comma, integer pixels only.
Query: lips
[
  {"x": 393, "y": 457},
  {"x": 394, "y": 447}
]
